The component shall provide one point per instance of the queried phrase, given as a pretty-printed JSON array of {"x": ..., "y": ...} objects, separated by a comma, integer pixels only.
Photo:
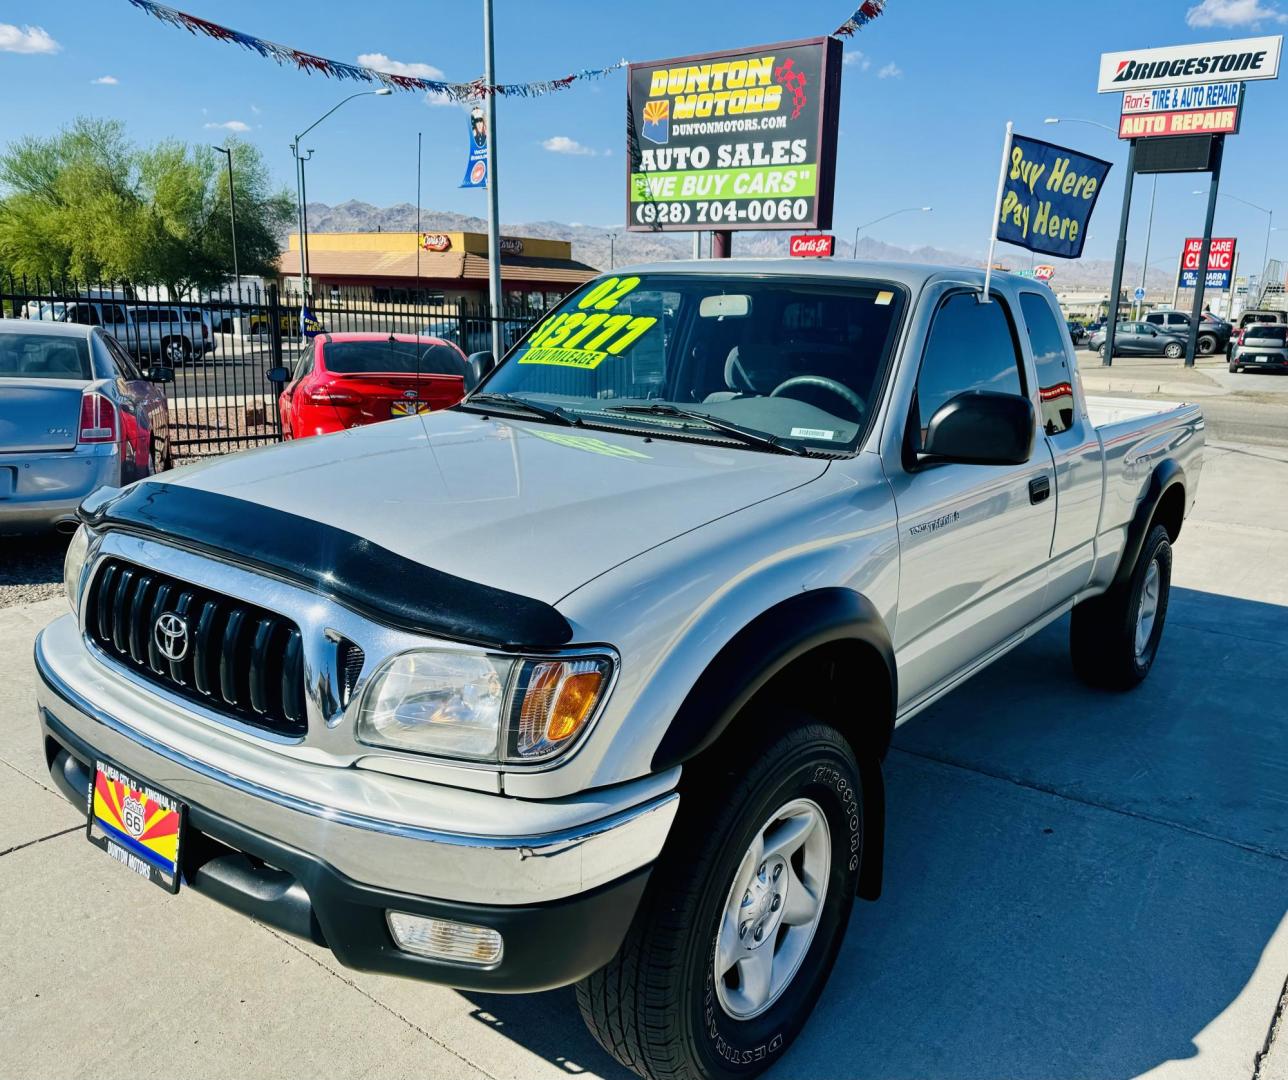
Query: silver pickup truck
[{"x": 590, "y": 678}]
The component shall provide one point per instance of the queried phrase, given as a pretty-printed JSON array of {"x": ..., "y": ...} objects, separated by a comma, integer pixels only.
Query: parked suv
[
  {"x": 172, "y": 335},
  {"x": 1261, "y": 347},
  {"x": 1214, "y": 333}
]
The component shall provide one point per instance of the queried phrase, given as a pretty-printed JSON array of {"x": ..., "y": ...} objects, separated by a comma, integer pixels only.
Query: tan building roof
[
  {"x": 439, "y": 266},
  {"x": 459, "y": 257}
]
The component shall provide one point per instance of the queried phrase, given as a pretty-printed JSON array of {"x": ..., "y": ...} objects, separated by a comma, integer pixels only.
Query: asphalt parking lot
[{"x": 1079, "y": 884}]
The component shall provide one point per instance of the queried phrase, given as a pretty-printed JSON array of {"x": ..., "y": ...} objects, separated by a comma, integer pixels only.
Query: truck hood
[{"x": 527, "y": 507}]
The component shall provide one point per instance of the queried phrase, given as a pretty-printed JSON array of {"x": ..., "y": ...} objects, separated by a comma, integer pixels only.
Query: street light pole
[
  {"x": 493, "y": 194},
  {"x": 883, "y": 217},
  {"x": 232, "y": 212},
  {"x": 300, "y": 191},
  {"x": 612, "y": 250},
  {"x": 1270, "y": 227}
]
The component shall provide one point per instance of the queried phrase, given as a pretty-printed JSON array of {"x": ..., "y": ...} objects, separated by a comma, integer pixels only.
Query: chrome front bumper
[{"x": 387, "y": 832}]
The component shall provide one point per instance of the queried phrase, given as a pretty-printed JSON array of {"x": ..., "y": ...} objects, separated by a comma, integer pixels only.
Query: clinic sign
[
  {"x": 734, "y": 140},
  {"x": 1244, "y": 60},
  {"x": 1220, "y": 262}
]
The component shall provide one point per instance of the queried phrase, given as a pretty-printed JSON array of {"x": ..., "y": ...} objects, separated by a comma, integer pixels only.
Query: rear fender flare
[{"x": 1167, "y": 475}]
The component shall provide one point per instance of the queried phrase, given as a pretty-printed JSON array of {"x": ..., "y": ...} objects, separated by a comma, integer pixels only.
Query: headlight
[
  {"x": 73, "y": 565},
  {"x": 481, "y": 708}
]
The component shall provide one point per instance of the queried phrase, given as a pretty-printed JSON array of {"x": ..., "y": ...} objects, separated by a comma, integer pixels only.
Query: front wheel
[
  {"x": 1207, "y": 345},
  {"x": 1174, "y": 350},
  {"x": 1113, "y": 638},
  {"x": 743, "y": 917},
  {"x": 1103, "y": 351}
]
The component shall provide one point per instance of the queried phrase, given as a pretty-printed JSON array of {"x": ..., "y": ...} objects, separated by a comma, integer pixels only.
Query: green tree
[{"x": 86, "y": 203}]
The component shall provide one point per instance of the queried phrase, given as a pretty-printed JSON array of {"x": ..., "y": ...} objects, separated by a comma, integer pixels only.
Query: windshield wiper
[
  {"x": 547, "y": 412},
  {"x": 750, "y": 436}
]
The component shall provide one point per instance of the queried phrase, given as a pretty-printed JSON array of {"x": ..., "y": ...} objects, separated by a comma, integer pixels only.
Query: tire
[
  {"x": 176, "y": 351},
  {"x": 1234, "y": 367},
  {"x": 1113, "y": 638},
  {"x": 1102, "y": 351},
  {"x": 659, "y": 1007},
  {"x": 1207, "y": 345},
  {"x": 1173, "y": 350}
]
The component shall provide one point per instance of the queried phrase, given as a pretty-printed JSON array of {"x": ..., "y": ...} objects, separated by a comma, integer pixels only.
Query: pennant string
[{"x": 458, "y": 92}]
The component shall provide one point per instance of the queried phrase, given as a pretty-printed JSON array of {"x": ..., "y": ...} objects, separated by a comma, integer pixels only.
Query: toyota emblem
[{"x": 171, "y": 636}]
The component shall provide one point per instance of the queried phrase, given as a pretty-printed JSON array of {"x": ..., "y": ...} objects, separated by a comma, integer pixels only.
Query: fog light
[{"x": 442, "y": 939}]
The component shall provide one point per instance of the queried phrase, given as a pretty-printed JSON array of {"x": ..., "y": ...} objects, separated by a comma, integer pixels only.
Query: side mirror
[
  {"x": 160, "y": 375},
  {"x": 278, "y": 375},
  {"x": 479, "y": 365},
  {"x": 982, "y": 428}
]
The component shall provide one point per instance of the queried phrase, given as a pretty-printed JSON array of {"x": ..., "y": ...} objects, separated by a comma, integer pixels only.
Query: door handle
[{"x": 1039, "y": 489}]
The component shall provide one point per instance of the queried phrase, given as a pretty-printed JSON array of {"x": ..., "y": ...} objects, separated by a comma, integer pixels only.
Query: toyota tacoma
[{"x": 589, "y": 679}]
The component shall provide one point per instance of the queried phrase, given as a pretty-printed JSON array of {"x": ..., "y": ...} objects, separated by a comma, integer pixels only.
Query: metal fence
[{"x": 222, "y": 344}]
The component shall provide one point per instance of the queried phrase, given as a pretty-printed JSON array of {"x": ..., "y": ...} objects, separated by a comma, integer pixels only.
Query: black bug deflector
[{"x": 371, "y": 579}]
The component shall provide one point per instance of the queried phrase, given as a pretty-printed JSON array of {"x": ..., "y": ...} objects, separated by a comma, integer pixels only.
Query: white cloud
[
  {"x": 890, "y": 71},
  {"x": 235, "y": 126},
  {"x": 381, "y": 62},
  {"x": 1232, "y": 13},
  {"x": 854, "y": 58},
  {"x": 28, "y": 39},
  {"x": 105, "y": 80},
  {"x": 439, "y": 100},
  {"x": 561, "y": 144},
  {"x": 256, "y": 109}
]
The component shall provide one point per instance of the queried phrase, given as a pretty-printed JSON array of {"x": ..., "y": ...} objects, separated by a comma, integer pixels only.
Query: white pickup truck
[{"x": 590, "y": 678}]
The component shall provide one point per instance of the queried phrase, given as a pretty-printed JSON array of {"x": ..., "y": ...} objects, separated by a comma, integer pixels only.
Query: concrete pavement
[{"x": 1079, "y": 884}]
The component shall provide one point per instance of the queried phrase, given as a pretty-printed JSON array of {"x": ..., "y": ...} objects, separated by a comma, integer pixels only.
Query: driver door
[{"x": 974, "y": 540}]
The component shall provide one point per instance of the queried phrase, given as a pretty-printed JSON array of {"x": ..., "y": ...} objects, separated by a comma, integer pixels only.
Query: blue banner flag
[
  {"x": 1048, "y": 198},
  {"x": 309, "y": 326},
  {"x": 476, "y": 163}
]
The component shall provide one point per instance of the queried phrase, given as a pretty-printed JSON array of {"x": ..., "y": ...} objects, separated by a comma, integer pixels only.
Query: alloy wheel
[
  {"x": 1147, "y": 611},
  {"x": 773, "y": 909}
]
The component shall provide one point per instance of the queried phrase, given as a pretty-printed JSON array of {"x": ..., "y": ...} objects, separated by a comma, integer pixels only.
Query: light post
[
  {"x": 612, "y": 250},
  {"x": 1270, "y": 227},
  {"x": 883, "y": 217},
  {"x": 232, "y": 213},
  {"x": 300, "y": 192}
]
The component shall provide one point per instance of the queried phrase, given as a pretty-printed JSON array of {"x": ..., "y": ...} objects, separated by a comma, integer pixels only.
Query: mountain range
[{"x": 602, "y": 248}]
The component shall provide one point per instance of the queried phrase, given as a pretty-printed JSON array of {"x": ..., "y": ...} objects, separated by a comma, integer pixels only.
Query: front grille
[{"x": 240, "y": 659}]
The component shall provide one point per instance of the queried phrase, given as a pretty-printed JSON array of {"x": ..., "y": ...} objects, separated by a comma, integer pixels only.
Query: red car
[{"x": 345, "y": 380}]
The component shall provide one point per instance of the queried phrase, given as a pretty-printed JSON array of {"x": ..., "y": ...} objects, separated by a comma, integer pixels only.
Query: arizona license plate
[
  {"x": 408, "y": 408},
  {"x": 137, "y": 825}
]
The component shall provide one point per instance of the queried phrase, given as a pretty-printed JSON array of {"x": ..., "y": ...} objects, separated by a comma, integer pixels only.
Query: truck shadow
[{"x": 1077, "y": 883}]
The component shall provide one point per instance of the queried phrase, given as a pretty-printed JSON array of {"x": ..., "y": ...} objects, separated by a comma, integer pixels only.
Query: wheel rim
[
  {"x": 1173, "y": 351},
  {"x": 174, "y": 352},
  {"x": 1148, "y": 610},
  {"x": 773, "y": 909}
]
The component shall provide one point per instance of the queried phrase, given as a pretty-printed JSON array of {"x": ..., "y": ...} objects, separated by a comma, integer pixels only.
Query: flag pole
[
  {"x": 997, "y": 212},
  {"x": 493, "y": 198}
]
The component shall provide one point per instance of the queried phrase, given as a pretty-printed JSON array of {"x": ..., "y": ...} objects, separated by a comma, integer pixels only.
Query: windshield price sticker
[
  {"x": 741, "y": 139},
  {"x": 586, "y": 337}
]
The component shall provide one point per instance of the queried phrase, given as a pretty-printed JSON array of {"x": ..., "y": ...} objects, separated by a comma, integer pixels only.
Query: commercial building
[{"x": 440, "y": 267}]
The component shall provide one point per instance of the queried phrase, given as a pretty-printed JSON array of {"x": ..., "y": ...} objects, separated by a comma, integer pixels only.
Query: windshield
[
  {"x": 43, "y": 356},
  {"x": 800, "y": 361},
  {"x": 391, "y": 357}
]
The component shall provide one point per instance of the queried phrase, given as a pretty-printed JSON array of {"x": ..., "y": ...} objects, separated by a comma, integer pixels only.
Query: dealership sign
[
  {"x": 1208, "y": 109},
  {"x": 814, "y": 245},
  {"x": 734, "y": 140},
  {"x": 1220, "y": 262},
  {"x": 1186, "y": 65}
]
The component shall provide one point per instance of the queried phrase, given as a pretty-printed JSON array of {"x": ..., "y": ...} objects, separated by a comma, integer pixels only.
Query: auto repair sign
[
  {"x": 1185, "y": 65},
  {"x": 1208, "y": 109},
  {"x": 1220, "y": 262},
  {"x": 734, "y": 140}
]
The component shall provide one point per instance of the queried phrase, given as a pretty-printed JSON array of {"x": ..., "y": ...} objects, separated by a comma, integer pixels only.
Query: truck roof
[{"x": 912, "y": 275}]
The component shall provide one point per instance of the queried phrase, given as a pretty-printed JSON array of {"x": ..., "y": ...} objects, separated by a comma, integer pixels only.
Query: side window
[
  {"x": 971, "y": 346},
  {"x": 1051, "y": 358},
  {"x": 121, "y": 358},
  {"x": 303, "y": 365}
]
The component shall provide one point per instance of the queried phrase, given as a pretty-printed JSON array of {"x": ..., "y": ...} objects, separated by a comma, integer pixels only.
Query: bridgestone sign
[
  {"x": 1185, "y": 65},
  {"x": 734, "y": 140}
]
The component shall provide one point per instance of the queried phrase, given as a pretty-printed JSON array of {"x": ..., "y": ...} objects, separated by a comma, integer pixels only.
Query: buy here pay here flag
[{"x": 1048, "y": 197}]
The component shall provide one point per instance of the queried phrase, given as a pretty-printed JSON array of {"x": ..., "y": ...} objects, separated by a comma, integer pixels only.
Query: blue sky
[{"x": 927, "y": 90}]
